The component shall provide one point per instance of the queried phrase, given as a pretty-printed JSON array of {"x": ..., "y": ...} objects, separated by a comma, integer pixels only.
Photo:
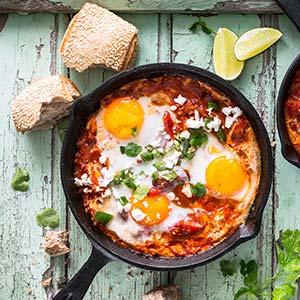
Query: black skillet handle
[
  {"x": 79, "y": 284},
  {"x": 292, "y": 9}
]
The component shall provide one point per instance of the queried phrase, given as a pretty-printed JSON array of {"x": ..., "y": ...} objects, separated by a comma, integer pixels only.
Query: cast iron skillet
[
  {"x": 287, "y": 149},
  {"x": 105, "y": 250}
]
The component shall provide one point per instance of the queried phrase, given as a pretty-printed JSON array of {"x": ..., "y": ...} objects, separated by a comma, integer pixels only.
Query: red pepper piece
[
  {"x": 168, "y": 124},
  {"x": 154, "y": 191}
]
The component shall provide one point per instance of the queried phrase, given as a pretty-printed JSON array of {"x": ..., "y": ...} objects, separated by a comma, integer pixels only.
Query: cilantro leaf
[
  {"x": 20, "y": 180},
  {"x": 198, "y": 189},
  {"x": 228, "y": 268},
  {"x": 131, "y": 149},
  {"x": 48, "y": 217},
  {"x": 204, "y": 27},
  {"x": 198, "y": 137},
  {"x": 213, "y": 105},
  {"x": 140, "y": 192},
  {"x": 147, "y": 156}
]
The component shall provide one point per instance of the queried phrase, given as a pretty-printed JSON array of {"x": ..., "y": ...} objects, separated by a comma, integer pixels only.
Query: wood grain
[{"x": 203, "y": 6}]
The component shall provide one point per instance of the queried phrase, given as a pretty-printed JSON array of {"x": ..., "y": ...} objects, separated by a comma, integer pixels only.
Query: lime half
[
  {"x": 225, "y": 63},
  {"x": 255, "y": 41}
]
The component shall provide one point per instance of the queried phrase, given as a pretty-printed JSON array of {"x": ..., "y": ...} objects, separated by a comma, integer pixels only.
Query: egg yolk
[
  {"x": 122, "y": 115},
  {"x": 155, "y": 209},
  {"x": 225, "y": 176}
]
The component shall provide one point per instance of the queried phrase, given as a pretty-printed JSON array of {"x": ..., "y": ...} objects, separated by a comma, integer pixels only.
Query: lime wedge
[
  {"x": 225, "y": 63},
  {"x": 255, "y": 41}
]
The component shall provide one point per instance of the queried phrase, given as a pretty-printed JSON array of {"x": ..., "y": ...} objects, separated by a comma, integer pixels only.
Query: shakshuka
[
  {"x": 168, "y": 166},
  {"x": 292, "y": 112}
]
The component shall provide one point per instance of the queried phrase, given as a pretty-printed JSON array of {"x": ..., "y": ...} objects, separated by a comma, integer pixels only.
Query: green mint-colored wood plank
[
  {"x": 118, "y": 280},
  {"x": 24, "y": 56},
  {"x": 257, "y": 83},
  {"x": 210, "y": 6},
  {"x": 287, "y": 176}
]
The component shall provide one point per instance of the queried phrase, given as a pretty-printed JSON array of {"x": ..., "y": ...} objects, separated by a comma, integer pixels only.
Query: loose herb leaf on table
[
  {"x": 20, "y": 180},
  {"x": 202, "y": 24},
  {"x": 48, "y": 217}
]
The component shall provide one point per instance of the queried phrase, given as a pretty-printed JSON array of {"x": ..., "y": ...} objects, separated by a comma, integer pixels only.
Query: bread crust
[
  {"x": 98, "y": 37},
  {"x": 43, "y": 103}
]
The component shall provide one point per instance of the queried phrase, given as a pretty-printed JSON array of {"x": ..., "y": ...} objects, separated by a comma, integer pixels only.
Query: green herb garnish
[
  {"x": 123, "y": 200},
  {"x": 126, "y": 177},
  {"x": 198, "y": 189},
  {"x": 221, "y": 135},
  {"x": 134, "y": 131},
  {"x": 147, "y": 156},
  {"x": 160, "y": 166},
  {"x": 131, "y": 149},
  {"x": 48, "y": 217},
  {"x": 140, "y": 192},
  {"x": 204, "y": 27},
  {"x": 285, "y": 278},
  {"x": 103, "y": 217},
  {"x": 198, "y": 138},
  {"x": 155, "y": 176},
  {"x": 170, "y": 176},
  {"x": 213, "y": 105},
  {"x": 20, "y": 180},
  {"x": 206, "y": 122}
]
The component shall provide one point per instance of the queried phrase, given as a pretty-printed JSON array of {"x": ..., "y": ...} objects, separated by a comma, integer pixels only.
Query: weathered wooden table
[{"x": 29, "y": 50}]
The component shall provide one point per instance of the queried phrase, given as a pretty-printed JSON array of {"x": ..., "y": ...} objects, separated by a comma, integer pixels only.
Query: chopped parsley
[
  {"x": 126, "y": 177},
  {"x": 20, "y": 180},
  {"x": 221, "y": 135},
  {"x": 131, "y": 149},
  {"x": 48, "y": 217},
  {"x": 198, "y": 189},
  {"x": 103, "y": 217},
  {"x": 213, "y": 105},
  {"x": 123, "y": 200}
]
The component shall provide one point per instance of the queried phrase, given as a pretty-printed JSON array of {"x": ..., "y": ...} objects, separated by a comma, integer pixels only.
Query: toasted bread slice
[
  {"x": 43, "y": 103},
  {"x": 98, "y": 37}
]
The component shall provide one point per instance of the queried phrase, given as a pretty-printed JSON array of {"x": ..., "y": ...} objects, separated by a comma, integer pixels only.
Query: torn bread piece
[
  {"x": 43, "y": 103},
  {"x": 56, "y": 243},
  {"x": 98, "y": 37}
]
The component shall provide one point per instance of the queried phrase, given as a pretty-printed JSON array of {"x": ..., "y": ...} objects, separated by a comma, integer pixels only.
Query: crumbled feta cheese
[
  {"x": 185, "y": 134},
  {"x": 173, "y": 107},
  {"x": 209, "y": 110},
  {"x": 107, "y": 177},
  {"x": 187, "y": 190},
  {"x": 127, "y": 207},
  {"x": 180, "y": 100},
  {"x": 103, "y": 157},
  {"x": 231, "y": 113},
  {"x": 171, "y": 160},
  {"x": 84, "y": 180},
  {"x": 115, "y": 193},
  {"x": 145, "y": 204},
  {"x": 137, "y": 214},
  {"x": 195, "y": 123},
  {"x": 171, "y": 196},
  {"x": 214, "y": 124},
  {"x": 97, "y": 189}
]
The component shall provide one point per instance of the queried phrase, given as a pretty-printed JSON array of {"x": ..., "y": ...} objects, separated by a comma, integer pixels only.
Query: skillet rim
[
  {"x": 246, "y": 231},
  {"x": 287, "y": 149}
]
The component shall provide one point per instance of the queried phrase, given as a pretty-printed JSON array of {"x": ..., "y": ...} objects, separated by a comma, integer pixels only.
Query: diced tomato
[
  {"x": 154, "y": 191},
  {"x": 168, "y": 124}
]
